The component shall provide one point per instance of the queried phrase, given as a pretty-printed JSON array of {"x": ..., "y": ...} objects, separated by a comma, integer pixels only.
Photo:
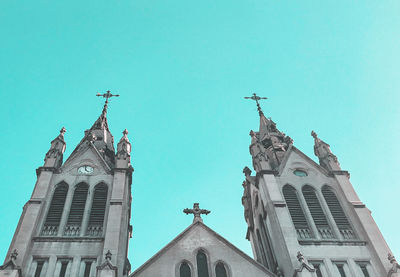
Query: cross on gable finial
[
  {"x": 197, "y": 212},
  {"x": 257, "y": 98}
]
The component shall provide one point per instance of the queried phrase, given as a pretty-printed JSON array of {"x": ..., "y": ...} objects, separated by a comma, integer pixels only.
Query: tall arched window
[
  {"x": 56, "y": 209},
  {"x": 202, "y": 264},
  {"x": 272, "y": 264},
  {"x": 338, "y": 214},
  {"x": 184, "y": 270},
  {"x": 296, "y": 212},
  {"x": 96, "y": 219},
  {"x": 73, "y": 227},
  {"x": 220, "y": 270},
  {"x": 317, "y": 213}
]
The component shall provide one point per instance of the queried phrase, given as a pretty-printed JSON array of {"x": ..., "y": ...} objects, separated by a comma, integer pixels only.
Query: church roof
[{"x": 199, "y": 224}]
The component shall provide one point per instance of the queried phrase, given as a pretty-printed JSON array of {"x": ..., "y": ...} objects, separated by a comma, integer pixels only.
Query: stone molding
[
  {"x": 332, "y": 242},
  {"x": 68, "y": 239}
]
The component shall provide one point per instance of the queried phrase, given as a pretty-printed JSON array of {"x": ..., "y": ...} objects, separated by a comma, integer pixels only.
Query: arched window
[
  {"x": 56, "y": 209},
  {"x": 96, "y": 219},
  {"x": 270, "y": 255},
  {"x": 220, "y": 270},
  {"x": 73, "y": 227},
  {"x": 296, "y": 212},
  {"x": 317, "y": 213},
  {"x": 184, "y": 270},
  {"x": 202, "y": 264},
  {"x": 338, "y": 214}
]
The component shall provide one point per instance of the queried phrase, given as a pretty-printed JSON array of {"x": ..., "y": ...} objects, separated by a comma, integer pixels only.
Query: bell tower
[
  {"x": 77, "y": 222},
  {"x": 305, "y": 218}
]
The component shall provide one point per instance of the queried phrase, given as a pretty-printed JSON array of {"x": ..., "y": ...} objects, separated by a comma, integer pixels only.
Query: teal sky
[{"x": 182, "y": 68}]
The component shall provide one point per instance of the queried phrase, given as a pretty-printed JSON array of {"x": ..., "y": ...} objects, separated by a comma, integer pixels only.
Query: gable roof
[
  {"x": 213, "y": 233},
  {"x": 307, "y": 159}
]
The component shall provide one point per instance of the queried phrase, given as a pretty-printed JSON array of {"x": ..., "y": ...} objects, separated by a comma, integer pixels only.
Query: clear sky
[{"x": 182, "y": 68}]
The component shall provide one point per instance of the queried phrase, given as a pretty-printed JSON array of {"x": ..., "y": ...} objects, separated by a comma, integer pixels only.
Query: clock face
[{"x": 86, "y": 169}]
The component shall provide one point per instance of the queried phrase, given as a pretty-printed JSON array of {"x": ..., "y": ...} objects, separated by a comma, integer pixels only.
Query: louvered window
[
  {"x": 202, "y": 264},
  {"x": 73, "y": 227},
  {"x": 296, "y": 212},
  {"x": 220, "y": 270},
  {"x": 272, "y": 264},
  {"x": 338, "y": 214},
  {"x": 56, "y": 209},
  {"x": 317, "y": 213},
  {"x": 96, "y": 220},
  {"x": 184, "y": 270},
  {"x": 39, "y": 267}
]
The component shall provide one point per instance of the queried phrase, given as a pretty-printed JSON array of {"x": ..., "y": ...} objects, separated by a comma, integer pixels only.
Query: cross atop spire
[
  {"x": 257, "y": 98},
  {"x": 106, "y": 95},
  {"x": 197, "y": 212}
]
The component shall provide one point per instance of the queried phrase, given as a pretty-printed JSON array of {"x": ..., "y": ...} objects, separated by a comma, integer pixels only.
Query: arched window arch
[
  {"x": 317, "y": 212},
  {"x": 56, "y": 209},
  {"x": 270, "y": 255},
  {"x": 202, "y": 264},
  {"x": 74, "y": 222},
  {"x": 184, "y": 270},
  {"x": 337, "y": 213},
  {"x": 220, "y": 270},
  {"x": 97, "y": 212},
  {"x": 296, "y": 212}
]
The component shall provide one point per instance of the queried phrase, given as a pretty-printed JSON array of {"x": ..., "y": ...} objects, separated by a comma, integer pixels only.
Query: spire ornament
[
  {"x": 197, "y": 212},
  {"x": 257, "y": 98},
  {"x": 326, "y": 158}
]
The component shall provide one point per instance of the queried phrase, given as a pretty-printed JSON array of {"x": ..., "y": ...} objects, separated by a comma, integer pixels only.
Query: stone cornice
[
  {"x": 333, "y": 242},
  {"x": 68, "y": 239},
  {"x": 45, "y": 168},
  {"x": 340, "y": 172}
]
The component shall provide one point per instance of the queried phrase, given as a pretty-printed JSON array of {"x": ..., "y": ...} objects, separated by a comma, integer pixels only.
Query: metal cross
[
  {"x": 257, "y": 98},
  {"x": 197, "y": 212},
  {"x": 107, "y": 95}
]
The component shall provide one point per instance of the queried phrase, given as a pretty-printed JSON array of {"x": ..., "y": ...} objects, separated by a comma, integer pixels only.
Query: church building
[{"x": 304, "y": 218}]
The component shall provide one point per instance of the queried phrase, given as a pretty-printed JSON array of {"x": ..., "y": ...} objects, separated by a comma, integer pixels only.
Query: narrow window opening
[
  {"x": 296, "y": 212},
  {"x": 184, "y": 270},
  {"x": 220, "y": 270},
  {"x": 338, "y": 214},
  {"x": 270, "y": 253},
  {"x": 364, "y": 270},
  {"x": 56, "y": 209},
  {"x": 341, "y": 270},
  {"x": 317, "y": 213},
  {"x": 39, "y": 268},
  {"x": 88, "y": 266},
  {"x": 202, "y": 265},
  {"x": 63, "y": 269},
  {"x": 96, "y": 219},
  {"x": 262, "y": 250},
  {"x": 73, "y": 227},
  {"x": 318, "y": 270}
]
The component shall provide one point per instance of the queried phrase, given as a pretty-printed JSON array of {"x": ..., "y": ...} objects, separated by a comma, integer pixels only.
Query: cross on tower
[
  {"x": 197, "y": 212},
  {"x": 257, "y": 98},
  {"x": 107, "y": 95}
]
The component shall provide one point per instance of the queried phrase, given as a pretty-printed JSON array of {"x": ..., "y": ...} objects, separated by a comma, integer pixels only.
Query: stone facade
[{"x": 305, "y": 219}]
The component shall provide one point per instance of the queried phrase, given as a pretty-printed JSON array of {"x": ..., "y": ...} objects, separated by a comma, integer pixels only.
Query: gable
[
  {"x": 295, "y": 159},
  {"x": 86, "y": 154},
  {"x": 185, "y": 247}
]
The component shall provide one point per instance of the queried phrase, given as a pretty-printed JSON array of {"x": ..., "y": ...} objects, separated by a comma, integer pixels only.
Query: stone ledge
[
  {"x": 333, "y": 242},
  {"x": 69, "y": 239}
]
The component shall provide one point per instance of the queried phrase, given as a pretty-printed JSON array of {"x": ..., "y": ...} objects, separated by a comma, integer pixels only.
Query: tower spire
[{"x": 257, "y": 98}]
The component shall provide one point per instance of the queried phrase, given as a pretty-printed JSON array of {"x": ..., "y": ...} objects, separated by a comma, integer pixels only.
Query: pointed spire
[
  {"x": 326, "y": 158},
  {"x": 124, "y": 151},
  {"x": 54, "y": 156}
]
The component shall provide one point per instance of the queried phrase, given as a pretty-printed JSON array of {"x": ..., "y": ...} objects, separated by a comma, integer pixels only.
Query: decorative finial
[
  {"x": 391, "y": 258},
  {"x": 314, "y": 134},
  {"x": 257, "y": 98},
  {"x": 300, "y": 257},
  {"x": 125, "y": 132},
  {"x": 14, "y": 254},
  {"x": 197, "y": 212},
  {"x": 62, "y": 131},
  {"x": 246, "y": 171},
  {"x": 106, "y": 95},
  {"x": 108, "y": 255}
]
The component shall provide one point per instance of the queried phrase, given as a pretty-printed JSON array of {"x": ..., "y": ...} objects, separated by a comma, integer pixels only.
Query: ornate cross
[
  {"x": 107, "y": 95},
  {"x": 197, "y": 212},
  {"x": 257, "y": 98}
]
